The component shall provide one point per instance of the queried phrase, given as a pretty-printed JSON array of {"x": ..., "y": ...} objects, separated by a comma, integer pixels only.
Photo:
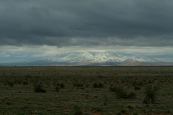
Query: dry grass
[{"x": 86, "y": 90}]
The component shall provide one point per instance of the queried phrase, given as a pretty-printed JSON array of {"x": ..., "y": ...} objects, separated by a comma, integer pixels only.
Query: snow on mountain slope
[
  {"x": 95, "y": 58},
  {"x": 92, "y": 57}
]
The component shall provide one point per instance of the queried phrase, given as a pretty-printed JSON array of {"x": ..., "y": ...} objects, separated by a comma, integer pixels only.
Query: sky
[{"x": 86, "y": 31}]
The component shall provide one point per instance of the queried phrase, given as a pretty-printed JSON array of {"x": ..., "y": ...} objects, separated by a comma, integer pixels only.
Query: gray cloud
[{"x": 90, "y": 22}]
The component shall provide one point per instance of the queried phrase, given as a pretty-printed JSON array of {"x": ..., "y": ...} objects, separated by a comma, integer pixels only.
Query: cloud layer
[
  {"x": 66, "y": 23},
  {"x": 86, "y": 31}
]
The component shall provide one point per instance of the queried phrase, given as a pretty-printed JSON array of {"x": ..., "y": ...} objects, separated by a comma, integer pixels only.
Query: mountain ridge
[{"x": 127, "y": 62}]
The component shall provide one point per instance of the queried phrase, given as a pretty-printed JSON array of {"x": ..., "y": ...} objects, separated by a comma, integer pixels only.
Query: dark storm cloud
[{"x": 89, "y": 22}]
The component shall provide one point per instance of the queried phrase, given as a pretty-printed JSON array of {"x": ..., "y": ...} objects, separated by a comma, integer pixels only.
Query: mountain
[
  {"x": 91, "y": 59},
  {"x": 128, "y": 62},
  {"x": 131, "y": 62}
]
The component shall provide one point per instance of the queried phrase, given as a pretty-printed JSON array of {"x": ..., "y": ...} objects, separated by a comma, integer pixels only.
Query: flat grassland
[{"x": 86, "y": 90}]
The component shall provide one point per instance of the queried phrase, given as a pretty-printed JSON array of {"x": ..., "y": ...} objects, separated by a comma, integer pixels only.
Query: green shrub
[
  {"x": 98, "y": 85},
  {"x": 78, "y": 85},
  {"x": 137, "y": 85},
  {"x": 39, "y": 88},
  {"x": 150, "y": 94},
  {"x": 10, "y": 83},
  {"x": 121, "y": 92},
  {"x": 59, "y": 86},
  {"x": 77, "y": 111}
]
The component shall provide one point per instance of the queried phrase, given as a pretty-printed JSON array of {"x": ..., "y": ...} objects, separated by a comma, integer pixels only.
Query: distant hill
[
  {"x": 92, "y": 59},
  {"x": 128, "y": 62}
]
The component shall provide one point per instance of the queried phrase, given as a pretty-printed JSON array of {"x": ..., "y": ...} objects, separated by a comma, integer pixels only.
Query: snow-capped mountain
[{"x": 90, "y": 58}]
